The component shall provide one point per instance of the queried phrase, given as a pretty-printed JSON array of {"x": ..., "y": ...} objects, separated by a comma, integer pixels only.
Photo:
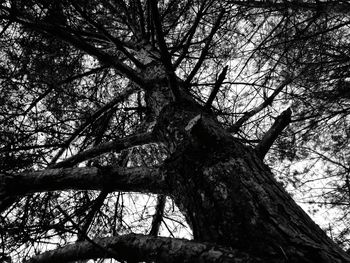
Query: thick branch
[
  {"x": 117, "y": 145},
  {"x": 268, "y": 101},
  {"x": 111, "y": 178},
  {"x": 135, "y": 248},
  {"x": 166, "y": 58},
  {"x": 271, "y": 135},
  {"x": 158, "y": 215}
]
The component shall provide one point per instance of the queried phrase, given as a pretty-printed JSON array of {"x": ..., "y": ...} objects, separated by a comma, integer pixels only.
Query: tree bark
[
  {"x": 135, "y": 248},
  {"x": 230, "y": 197},
  {"x": 114, "y": 178}
]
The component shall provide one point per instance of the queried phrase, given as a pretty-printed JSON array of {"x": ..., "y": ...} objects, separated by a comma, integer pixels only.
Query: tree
[{"x": 145, "y": 96}]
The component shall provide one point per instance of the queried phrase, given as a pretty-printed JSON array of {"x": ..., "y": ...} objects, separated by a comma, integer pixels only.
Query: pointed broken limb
[
  {"x": 216, "y": 88},
  {"x": 268, "y": 101},
  {"x": 136, "y": 247},
  {"x": 117, "y": 145},
  {"x": 271, "y": 135},
  {"x": 166, "y": 58},
  {"x": 110, "y": 178}
]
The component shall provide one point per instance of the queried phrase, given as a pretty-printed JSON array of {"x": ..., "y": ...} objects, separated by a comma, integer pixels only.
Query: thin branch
[
  {"x": 141, "y": 18},
  {"x": 125, "y": 15},
  {"x": 114, "y": 40},
  {"x": 135, "y": 248},
  {"x": 10, "y": 148},
  {"x": 69, "y": 79},
  {"x": 268, "y": 101},
  {"x": 78, "y": 42},
  {"x": 92, "y": 242},
  {"x": 189, "y": 35},
  {"x": 175, "y": 21},
  {"x": 5, "y": 27},
  {"x": 117, "y": 145},
  {"x": 271, "y": 135},
  {"x": 98, "y": 202},
  {"x": 205, "y": 49},
  {"x": 121, "y": 97},
  {"x": 216, "y": 88}
]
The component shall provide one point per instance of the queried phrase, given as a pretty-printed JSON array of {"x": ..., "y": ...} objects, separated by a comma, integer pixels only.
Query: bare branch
[
  {"x": 205, "y": 49},
  {"x": 110, "y": 178},
  {"x": 216, "y": 88},
  {"x": 76, "y": 226},
  {"x": 135, "y": 248},
  {"x": 142, "y": 18},
  {"x": 64, "y": 34},
  {"x": 119, "y": 98},
  {"x": 271, "y": 135},
  {"x": 268, "y": 101},
  {"x": 98, "y": 202},
  {"x": 189, "y": 36},
  {"x": 117, "y": 145},
  {"x": 119, "y": 45},
  {"x": 52, "y": 86}
]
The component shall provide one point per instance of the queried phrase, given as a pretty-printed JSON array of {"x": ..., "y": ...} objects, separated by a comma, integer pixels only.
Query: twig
[{"x": 76, "y": 226}]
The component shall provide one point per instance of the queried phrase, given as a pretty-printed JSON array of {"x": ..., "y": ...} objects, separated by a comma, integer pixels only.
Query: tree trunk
[{"x": 230, "y": 197}]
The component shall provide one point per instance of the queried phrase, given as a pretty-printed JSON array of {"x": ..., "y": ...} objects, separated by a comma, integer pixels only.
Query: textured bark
[
  {"x": 230, "y": 197},
  {"x": 141, "y": 179},
  {"x": 134, "y": 248},
  {"x": 227, "y": 194}
]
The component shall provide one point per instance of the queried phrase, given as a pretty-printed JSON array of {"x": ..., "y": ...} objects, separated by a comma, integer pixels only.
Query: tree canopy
[{"x": 102, "y": 102}]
